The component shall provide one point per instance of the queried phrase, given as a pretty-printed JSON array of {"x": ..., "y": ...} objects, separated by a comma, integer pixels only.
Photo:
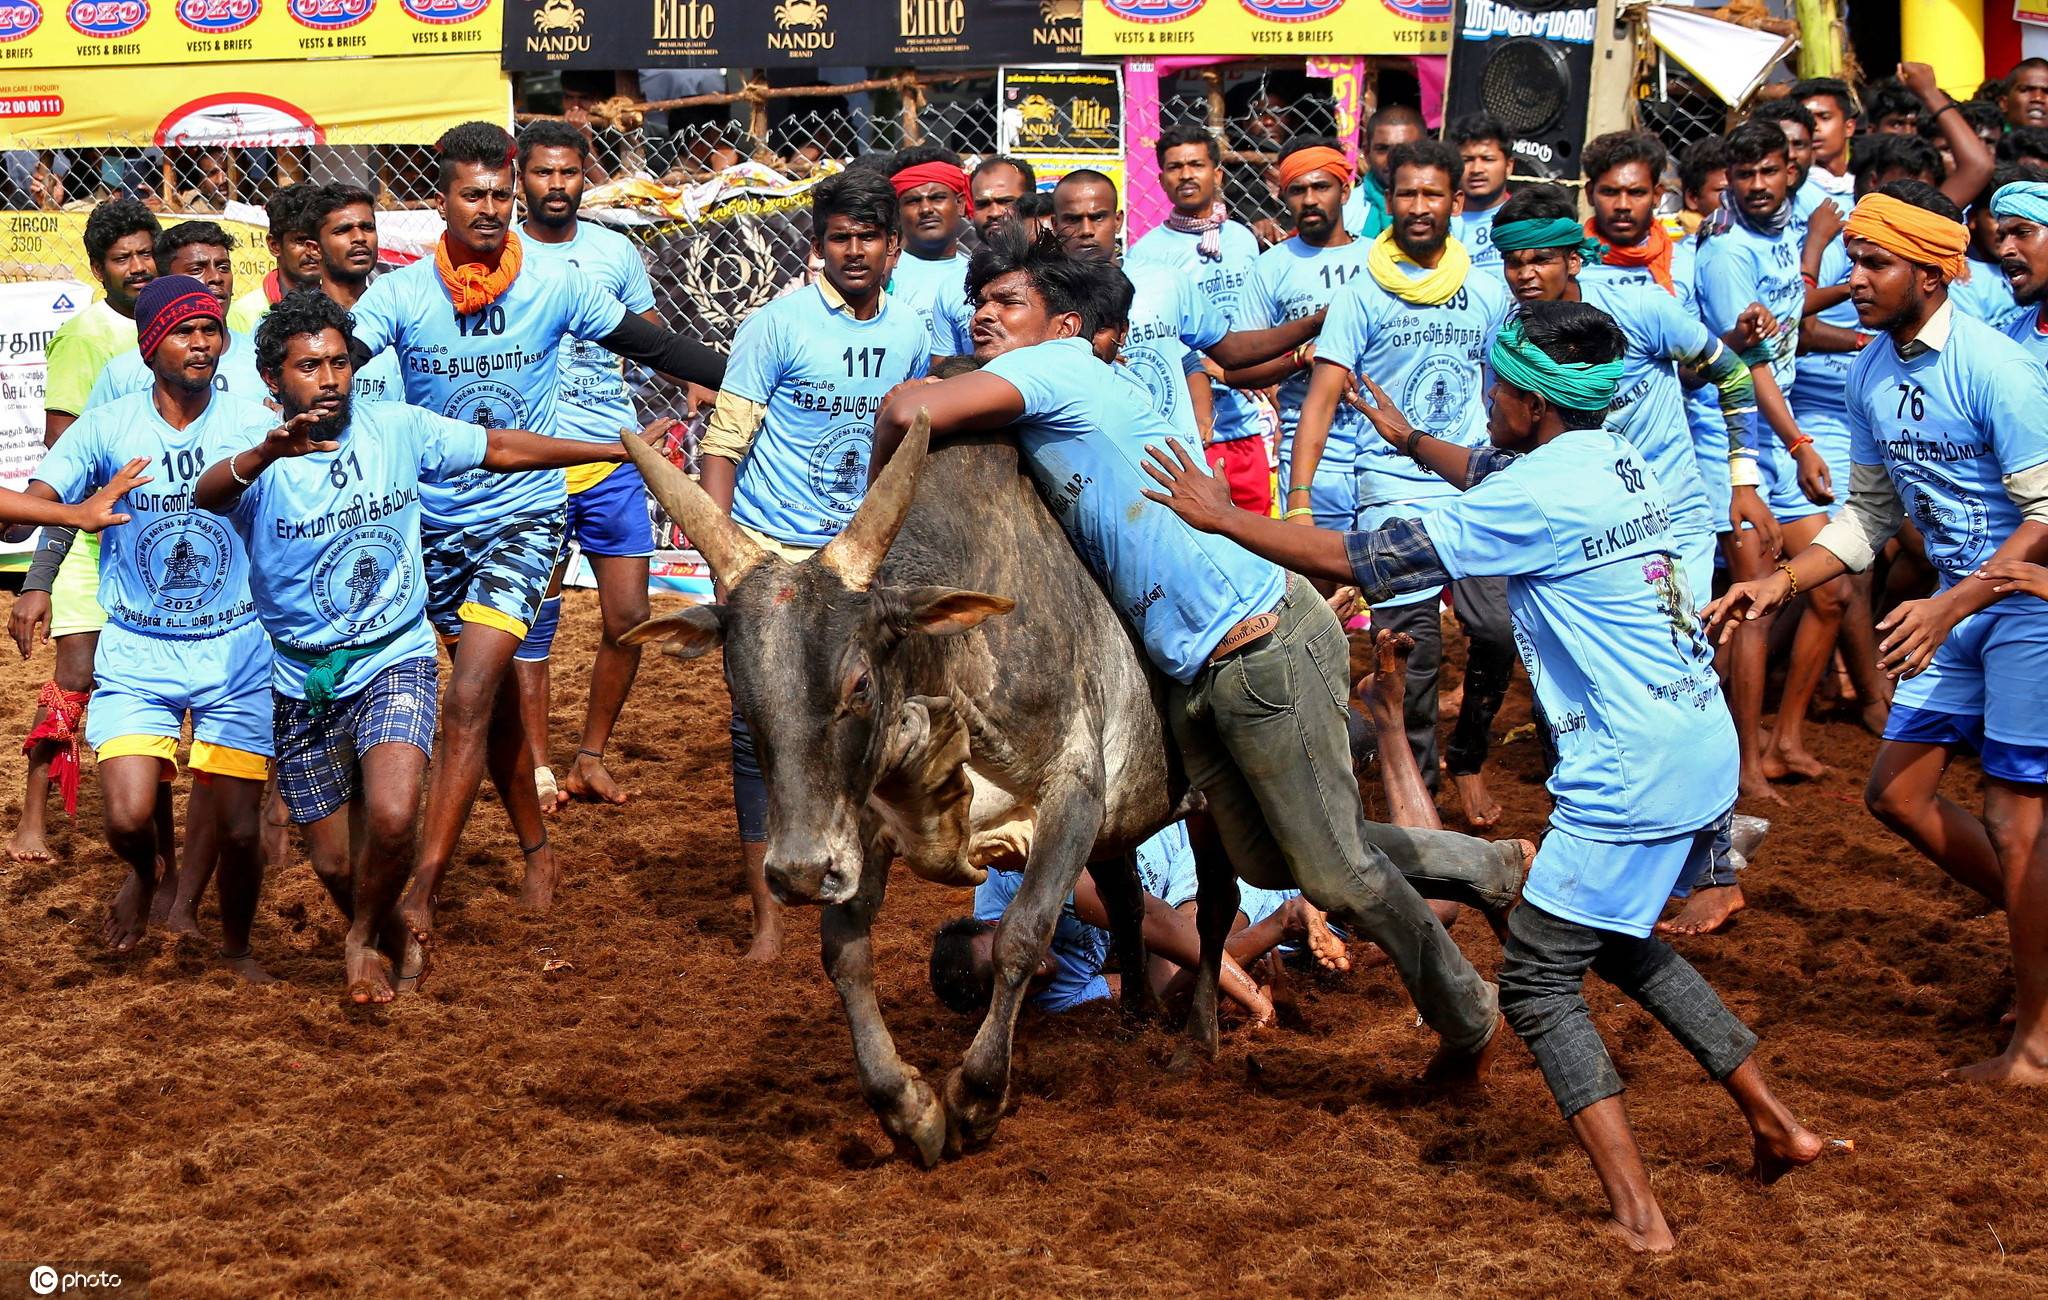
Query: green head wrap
[
  {"x": 1551, "y": 232},
  {"x": 1574, "y": 385}
]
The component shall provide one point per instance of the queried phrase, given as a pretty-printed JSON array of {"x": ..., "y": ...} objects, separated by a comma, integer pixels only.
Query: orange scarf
[
  {"x": 1654, "y": 253},
  {"x": 474, "y": 286}
]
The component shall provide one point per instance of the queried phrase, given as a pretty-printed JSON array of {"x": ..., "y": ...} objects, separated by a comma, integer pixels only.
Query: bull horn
[
  {"x": 856, "y": 554},
  {"x": 730, "y": 553}
]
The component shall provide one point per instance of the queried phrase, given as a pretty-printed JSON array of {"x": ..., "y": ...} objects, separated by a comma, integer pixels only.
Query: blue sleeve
[
  {"x": 1255, "y": 307},
  {"x": 1677, "y": 334},
  {"x": 960, "y": 320},
  {"x": 1862, "y": 438},
  {"x": 1346, "y": 331},
  {"x": 1032, "y": 380},
  {"x": 376, "y": 313},
  {"x": 592, "y": 311},
  {"x": 447, "y": 447},
  {"x": 992, "y": 896},
  {"x": 756, "y": 362},
  {"x": 636, "y": 289},
  {"x": 1494, "y": 529},
  {"x": 68, "y": 468},
  {"x": 1725, "y": 286},
  {"x": 1203, "y": 323},
  {"x": 102, "y": 388},
  {"x": 2013, "y": 398}
]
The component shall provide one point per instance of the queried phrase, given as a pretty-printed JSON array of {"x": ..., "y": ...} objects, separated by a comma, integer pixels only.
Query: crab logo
[
  {"x": 1059, "y": 11},
  {"x": 557, "y": 16},
  {"x": 330, "y": 15},
  {"x": 801, "y": 13},
  {"x": 215, "y": 17},
  {"x": 444, "y": 12},
  {"x": 242, "y": 120},
  {"x": 19, "y": 19},
  {"x": 1152, "y": 11},
  {"x": 107, "y": 19},
  {"x": 1420, "y": 11},
  {"x": 1291, "y": 11}
]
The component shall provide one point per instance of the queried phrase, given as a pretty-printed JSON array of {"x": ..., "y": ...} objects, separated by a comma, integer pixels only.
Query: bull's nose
[{"x": 801, "y": 878}]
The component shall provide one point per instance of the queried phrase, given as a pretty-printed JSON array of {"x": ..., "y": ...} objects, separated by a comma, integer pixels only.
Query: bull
[{"x": 900, "y": 707}]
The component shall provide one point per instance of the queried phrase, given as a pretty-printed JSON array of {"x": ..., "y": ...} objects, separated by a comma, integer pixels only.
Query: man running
[
  {"x": 181, "y": 635},
  {"x": 1946, "y": 418},
  {"x": 341, "y": 592},
  {"x": 931, "y": 273},
  {"x": 1417, "y": 322},
  {"x": 1571, "y": 515},
  {"x": 1487, "y": 152},
  {"x": 478, "y": 332}
]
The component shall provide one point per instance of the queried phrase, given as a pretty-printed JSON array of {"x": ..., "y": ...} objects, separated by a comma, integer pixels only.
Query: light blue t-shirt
[
  {"x": 1430, "y": 360},
  {"x": 822, "y": 375},
  {"x": 1986, "y": 295},
  {"x": 1475, "y": 231},
  {"x": 1739, "y": 267},
  {"x": 235, "y": 373},
  {"x": 1079, "y": 950},
  {"x": 1084, "y": 432},
  {"x": 1948, "y": 426},
  {"x": 1819, "y": 398},
  {"x": 1649, "y": 406},
  {"x": 172, "y": 571},
  {"x": 1220, "y": 280},
  {"x": 334, "y": 541},
  {"x": 377, "y": 380},
  {"x": 937, "y": 291},
  {"x": 1608, "y": 631},
  {"x": 595, "y": 403},
  {"x": 1171, "y": 321},
  {"x": 1293, "y": 279},
  {"x": 1807, "y": 199},
  {"x": 499, "y": 368},
  {"x": 2024, "y": 328}
]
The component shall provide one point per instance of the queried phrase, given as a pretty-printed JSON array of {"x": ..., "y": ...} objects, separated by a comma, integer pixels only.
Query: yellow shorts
[
  {"x": 218, "y": 760},
  {"x": 75, "y": 595}
]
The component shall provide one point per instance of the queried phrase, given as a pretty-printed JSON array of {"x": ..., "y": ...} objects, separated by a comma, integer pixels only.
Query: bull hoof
[
  {"x": 916, "y": 1123},
  {"x": 1190, "y": 1058},
  {"x": 1140, "y": 1004},
  {"x": 971, "y": 1116}
]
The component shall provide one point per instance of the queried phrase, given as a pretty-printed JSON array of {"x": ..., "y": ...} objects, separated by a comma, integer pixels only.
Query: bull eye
[{"x": 857, "y": 692}]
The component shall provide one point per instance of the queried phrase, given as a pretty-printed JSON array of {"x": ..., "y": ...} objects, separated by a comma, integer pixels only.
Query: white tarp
[
  {"x": 32, "y": 311},
  {"x": 1729, "y": 60}
]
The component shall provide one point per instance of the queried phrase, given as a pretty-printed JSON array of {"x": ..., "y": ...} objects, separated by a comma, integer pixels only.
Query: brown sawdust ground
[{"x": 665, "y": 1119}]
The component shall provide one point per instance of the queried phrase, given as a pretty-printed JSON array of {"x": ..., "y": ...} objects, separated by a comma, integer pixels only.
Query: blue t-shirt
[
  {"x": 334, "y": 541},
  {"x": 499, "y": 368},
  {"x": 2024, "y": 328},
  {"x": 1079, "y": 950},
  {"x": 595, "y": 403},
  {"x": 937, "y": 291},
  {"x": 1948, "y": 426},
  {"x": 1739, "y": 267},
  {"x": 1293, "y": 279},
  {"x": 1475, "y": 231},
  {"x": 1819, "y": 396},
  {"x": 1649, "y": 407},
  {"x": 1221, "y": 281},
  {"x": 1986, "y": 295},
  {"x": 1608, "y": 631},
  {"x": 822, "y": 375},
  {"x": 377, "y": 380},
  {"x": 1170, "y": 323},
  {"x": 235, "y": 373},
  {"x": 1430, "y": 360},
  {"x": 1084, "y": 432},
  {"x": 172, "y": 571},
  {"x": 1807, "y": 199}
]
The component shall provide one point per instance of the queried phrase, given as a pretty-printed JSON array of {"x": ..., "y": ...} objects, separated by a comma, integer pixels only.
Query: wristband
[
  {"x": 1300, "y": 361},
  {"x": 1943, "y": 109},
  {"x": 1785, "y": 567},
  {"x": 1863, "y": 340},
  {"x": 1803, "y": 440},
  {"x": 236, "y": 474},
  {"x": 1295, "y": 512},
  {"x": 1812, "y": 280},
  {"x": 1297, "y": 488},
  {"x": 1415, "y": 446}
]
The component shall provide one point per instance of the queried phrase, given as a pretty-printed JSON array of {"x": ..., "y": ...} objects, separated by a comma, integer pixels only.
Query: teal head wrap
[
  {"x": 1552, "y": 232},
  {"x": 2025, "y": 199},
  {"x": 1574, "y": 385}
]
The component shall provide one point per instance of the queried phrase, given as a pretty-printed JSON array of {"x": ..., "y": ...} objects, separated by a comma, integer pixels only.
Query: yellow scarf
[
  {"x": 1433, "y": 288},
  {"x": 472, "y": 286}
]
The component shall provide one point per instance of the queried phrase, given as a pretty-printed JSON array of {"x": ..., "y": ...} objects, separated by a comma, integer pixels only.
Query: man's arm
[
  {"x": 514, "y": 451},
  {"x": 1202, "y": 500},
  {"x": 1285, "y": 366},
  {"x": 735, "y": 422},
  {"x": 963, "y": 404},
  {"x": 54, "y": 425},
  {"x": 1203, "y": 399},
  {"x": 1817, "y": 335},
  {"x": 1326, "y": 383},
  {"x": 1241, "y": 349},
  {"x": 1974, "y": 162},
  {"x": 220, "y": 488},
  {"x": 683, "y": 360}
]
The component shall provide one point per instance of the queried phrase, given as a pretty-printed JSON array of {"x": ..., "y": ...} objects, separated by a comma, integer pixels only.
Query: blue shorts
[
  {"x": 1619, "y": 887},
  {"x": 1331, "y": 494},
  {"x": 494, "y": 574},
  {"x": 1166, "y": 865},
  {"x": 319, "y": 757},
  {"x": 145, "y": 685},
  {"x": 1830, "y": 433},
  {"x": 610, "y": 516},
  {"x": 2000, "y": 657},
  {"x": 1780, "y": 487}
]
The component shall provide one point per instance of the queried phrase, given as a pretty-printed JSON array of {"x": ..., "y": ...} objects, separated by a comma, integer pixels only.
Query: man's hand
[
  {"x": 295, "y": 437},
  {"x": 1745, "y": 601},
  {"x": 1746, "y": 506},
  {"x": 1919, "y": 78},
  {"x": 97, "y": 511},
  {"x": 1202, "y": 500},
  {"x": 29, "y": 624},
  {"x": 1384, "y": 415},
  {"x": 1821, "y": 229},
  {"x": 697, "y": 399},
  {"x": 1913, "y": 631},
  {"x": 1814, "y": 479},
  {"x": 1752, "y": 327},
  {"x": 2016, "y": 575}
]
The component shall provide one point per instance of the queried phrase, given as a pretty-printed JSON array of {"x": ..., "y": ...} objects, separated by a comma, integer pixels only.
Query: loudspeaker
[{"x": 1553, "y": 72}]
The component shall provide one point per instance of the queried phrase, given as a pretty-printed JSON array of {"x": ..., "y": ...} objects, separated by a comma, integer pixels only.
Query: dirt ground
[{"x": 660, "y": 1118}]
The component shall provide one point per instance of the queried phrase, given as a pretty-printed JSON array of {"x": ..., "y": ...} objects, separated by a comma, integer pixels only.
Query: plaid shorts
[
  {"x": 319, "y": 758},
  {"x": 495, "y": 574}
]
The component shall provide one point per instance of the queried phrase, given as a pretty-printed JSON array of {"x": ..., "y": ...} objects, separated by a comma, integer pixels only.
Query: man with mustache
[
  {"x": 292, "y": 247},
  {"x": 931, "y": 271}
]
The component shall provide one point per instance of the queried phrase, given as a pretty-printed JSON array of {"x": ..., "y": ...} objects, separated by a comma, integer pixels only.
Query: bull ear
[
  {"x": 688, "y": 632},
  {"x": 943, "y": 611}
]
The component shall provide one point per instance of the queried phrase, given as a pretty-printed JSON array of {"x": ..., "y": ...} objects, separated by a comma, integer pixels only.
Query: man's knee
[
  {"x": 1828, "y": 600},
  {"x": 1891, "y": 803},
  {"x": 622, "y": 617},
  {"x": 2012, "y": 833}
]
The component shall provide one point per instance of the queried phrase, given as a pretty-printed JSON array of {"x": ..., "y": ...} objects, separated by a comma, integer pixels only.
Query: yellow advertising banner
[
  {"x": 337, "y": 102},
  {"x": 2031, "y": 11},
  {"x": 1155, "y": 28},
  {"x": 102, "y": 33},
  {"x": 50, "y": 245}
]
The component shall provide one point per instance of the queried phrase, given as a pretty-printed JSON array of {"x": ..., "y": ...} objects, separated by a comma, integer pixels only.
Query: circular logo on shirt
[
  {"x": 487, "y": 404},
  {"x": 183, "y": 560},
  {"x": 839, "y": 468},
  {"x": 1437, "y": 393},
  {"x": 1955, "y": 528},
  {"x": 360, "y": 584},
  {"x": 1149, "y": 371}
]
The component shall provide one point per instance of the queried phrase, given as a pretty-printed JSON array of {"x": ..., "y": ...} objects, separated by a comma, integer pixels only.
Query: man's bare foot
[
  {"x": 1482, "y": 810},
  {"x": 1796, "y": 1147},
  {"x": 767, "y": 944},
  {"x": 1782, "y": 761},
  {"x": 1299, "y": 916},
  {"x": 128, "y": 918},
  {"x": 590, "y": 781},
  {"x": 552, "y": 797},
  {"x": 248, "y": 968},
  {"x": 1449, "y": 1069},
  {"x": 183, "y": 919},
  {"x": 2012, "y": 1068},
  {"x": 1385, "y": 690},
  {"x": 369, "y": 976},
  {"x": 27, "y": 843},
  {"x": 416, "y": 913},
  {"x": 1654, "y": 1238},
  {"x": 537, "y": 889},
  {"x": 1755, "y": 785},
  {"x": 1706, "y": 911},
  {"x": 161, "y": 905}
]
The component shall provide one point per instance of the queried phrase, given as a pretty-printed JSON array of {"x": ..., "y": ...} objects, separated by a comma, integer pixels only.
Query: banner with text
[
  {"x": 1269, "y": 27},
  {"x": 1075, "y": 109},
  {"x": 104, "y": 33}
]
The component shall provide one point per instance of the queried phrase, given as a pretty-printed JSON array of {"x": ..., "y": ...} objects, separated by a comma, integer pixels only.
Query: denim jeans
[
  {"x": 1263, "y": 733},
  {"x": 1540, "y": 994}
]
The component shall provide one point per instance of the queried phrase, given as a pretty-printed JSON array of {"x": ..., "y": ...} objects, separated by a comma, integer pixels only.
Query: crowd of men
[{"x": 1794, "y": 367}]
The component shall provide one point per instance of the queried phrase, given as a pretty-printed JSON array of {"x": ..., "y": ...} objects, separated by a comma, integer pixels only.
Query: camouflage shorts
[{"x": 493, "y": 574}]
